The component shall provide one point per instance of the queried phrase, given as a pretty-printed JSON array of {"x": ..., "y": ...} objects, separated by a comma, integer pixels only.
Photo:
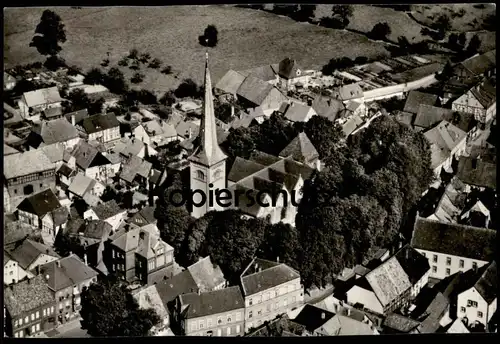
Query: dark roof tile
[{"x": 214, "y": 302}]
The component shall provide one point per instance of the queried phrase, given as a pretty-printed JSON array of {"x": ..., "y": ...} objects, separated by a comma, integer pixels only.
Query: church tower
[{"x": 208, "y": 164}]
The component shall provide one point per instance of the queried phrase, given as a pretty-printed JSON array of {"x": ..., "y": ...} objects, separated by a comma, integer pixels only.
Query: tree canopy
[
  {"x": 209, "y": 37},
  {"x": 48, "y": 34},
  {"x": 109, "y": 309},
  {"x": 380, "y": 31}
]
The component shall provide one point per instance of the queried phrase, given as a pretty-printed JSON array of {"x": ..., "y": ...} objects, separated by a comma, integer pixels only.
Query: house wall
[
  {"x": 366, "y": 298},
  {"x": 97, "y": 172},
  {"x": 41, "y": 260},
  {"x": 116, "y": 220},
  {"x": 438, "y": 268},
  {"x": 6, "y": 201},
  {"x": 218, "y": 325},
  {"x": 28, "y": 218},
  {"x": 273, "y": 101},
  {"x": 417, "y": 287},
  {"x": 90, "y": 214},
  {"x": 16, "y": 186},
  {"x": 106, "y": 135},
  {"x": 13, "y": 273},
  {"x": 24, "y": 108},
  {"x": 267, "y": 304},
  {"x": 33, "y": 321},
  {"x": 473, "y": 312},
  {"x": 141, "y": 134},
  {"x": 467, "y": 103}
]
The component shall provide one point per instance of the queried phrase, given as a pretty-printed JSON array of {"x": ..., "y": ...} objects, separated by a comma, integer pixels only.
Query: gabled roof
[
  {"x": 480, "y": 64},
  {"x": 405, "y": 118},
  {"x": 133, "y": 167},
  {"x": 23, "y": 164},
  {"x": 300, "y": 149},
  {"x": 27, "y": 296},
  {"x": 341, "y": 325},
  {"x": 66, "y": 272},
  {"x": 457, "y": 326},
  {"x": 352, "y": 124},
  {"x": 429, "y": 115},
  {"x": 7, "y": 150},
  {"x": 170, "y": 288},
  {"x": 254, "y": 90},
  {"x": 43, "y": 96},
  {"x": 487, "y": 283},
  {"x": 263, "y": 158},
  {"x": 443, "y": 138},
  {"x": 265, "y": 73},
  {"x": 242, "y": 168},
  {"x": 211, "y": 303},
  {"x": 183, "y": 128},
  {"x": 81, "y": 184},
  {"x": 79, "y": 116},
  {"x": 271, "y": 275},
  {"x": 27, "y": 251},
  {"x": 87, "y": 156},
  {"x": 154, "y": 128},
  {"x": 144, "y": 216},
  {"x": 312, "y": 317},
  {"x": 141, "y": 240},
  {"x": 41, "y": 203},
  {"x": 55, "y": 152},
  {"x": 347, "y": 92},
  {"x": 417, "y": 98},
  {"x": 477, "y": 172},
  {"x": 288, "y": 68},
  {"x": 454, "y": 239},
  {"x": 230, "y": 82},
  {"x": 96, "y": 123},
  {"x": 400, "y": 323},
  {"x": 206, "y": 275},
  {"x": 327, "y": 107},
  {"x": 485, "y": 93},
  {"x": 148, "y": 298},
  {"x": 297, "y": 112}
]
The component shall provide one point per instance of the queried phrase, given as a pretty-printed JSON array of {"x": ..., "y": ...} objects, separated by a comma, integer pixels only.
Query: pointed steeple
[{"x": 209, "y": 152}]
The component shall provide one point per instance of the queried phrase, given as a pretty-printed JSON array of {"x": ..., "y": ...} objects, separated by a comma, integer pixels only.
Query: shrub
[
  {"x": 105, "y": 63},
  {"x": 53, "y": 63},
  {"x": 135, "y": 65},
  {"x": 155, "y": 64},
  {"x": 133, "y": 54},
  {"x": 209, "y": 37},
  {"x": 380, "y": 31},
  {"x": 167, "y": 70},
  {"x": 73, "y": 71},
  {"x": 94, "y": 77},
  {"x": 137, "y": 78},
  {"x": 168, "y": 98},
  {"x": 188, "y": 88},
  {"x": 144, "y": 58},
  {"x": 123, "y": 62},
  {"x": 360, "y": 60}
]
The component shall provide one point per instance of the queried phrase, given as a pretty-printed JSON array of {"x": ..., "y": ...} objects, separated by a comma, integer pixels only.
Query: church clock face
[{"x": 217, "y": 175}]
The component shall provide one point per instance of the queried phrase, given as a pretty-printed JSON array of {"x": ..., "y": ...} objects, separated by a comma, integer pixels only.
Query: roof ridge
[{"x": 457, "y": 225}]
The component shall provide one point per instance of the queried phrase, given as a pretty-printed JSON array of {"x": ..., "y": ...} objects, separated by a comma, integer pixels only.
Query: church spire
[{"x": 209, "y": 152}]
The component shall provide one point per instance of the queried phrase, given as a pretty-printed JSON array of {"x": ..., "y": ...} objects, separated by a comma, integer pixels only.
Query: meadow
[{"x": 247, "y": 39}]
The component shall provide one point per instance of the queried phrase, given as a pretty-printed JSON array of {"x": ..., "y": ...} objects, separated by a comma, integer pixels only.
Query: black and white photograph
[{"x": 249, "y": 170}]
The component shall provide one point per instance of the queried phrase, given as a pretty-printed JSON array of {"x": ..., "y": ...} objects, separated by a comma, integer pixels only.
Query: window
[
  {"x": 33, "y": 329},
  {"x": 219, "y": 332},
  {"x": 228, "y": 331},
  {"x": 462, "y": 309},
  {"x": 16, "y": 323},
  {"x": 37, "y": 315},
  {"x": 113, "y": 253},
  {"x": 202, "y": 324},
  {"x": 250, "y": 315},
  {"x": 26, "y": 320},
  {"x": 44, "y": 312},
  {"x": 471, "y": 303},
  {"x": 435, "y": 258},
  {"x": 52, "y": 309},
  {"x": 238, "y": 328},
  {"x": 447, "y": 272},
  {"x": 434, "y": 268},
  {"x": 479, "y": 314},
  {"x": 219, "y": 320},
  {"x": 238, "y": 316},
  {"x": 16, "y": 334},
  {"x": 259, "y": 312},
  {"x": 32, "y": 316},
  {"x": 200, "y": 175},
  {"x": 229, "y": 318},
  {"x": 285, "y": 302},
  {"x": 266, "y": 296},
  {"x": 474, "y": 265},
  {"x": 461, "y": 263},
  {"x": 209, "y": 322},
  {"x": 276, "y": 293},
  {"x": 193, "y": 326},
  {"x": 151, "y": 265},
  {"x": 250, "y": 302},
  {"x": 268, "y": 307},
  {"x": 448, "y": 260},
  {"x": 38, "y": 327}
]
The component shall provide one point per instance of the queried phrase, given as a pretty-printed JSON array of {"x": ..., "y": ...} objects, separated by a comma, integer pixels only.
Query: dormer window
[{"x": 200, "y": 175}]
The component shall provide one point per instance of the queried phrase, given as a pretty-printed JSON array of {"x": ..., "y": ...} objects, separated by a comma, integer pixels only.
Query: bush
[
  {"x": 168, "y": 98},
  {"x": 128, "y": 117},
  {"x": 94, "y": 77},
  {"x": 135, "y": 65},
  {"x": 360, "y": 60},
  {"x": 188, "y": 88},
  {"x": 147, "y": 97},
  {"x": 133, "y": 54},
  {"x": 155, "y": 64},
  {"x": 74, "y": 71},
  {"x": 137, "y": 78},
  {"x": 380, "y": 31},
  {"x": 105, "y": 63},
  {"x": 167, "y": 70},
  {"x": 209, "y": 37},
  {"x": 144, "y": 58},
  {"x": 53, "y": 63},
  {"x": 123, "y": 62}
]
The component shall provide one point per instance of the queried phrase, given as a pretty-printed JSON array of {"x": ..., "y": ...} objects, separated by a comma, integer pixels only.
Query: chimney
[
  {"x": 190, "y": 132},
  {"x": 58, "y": 263},
  {"x": 256, "y": 266},
  {"x": 38, "y": 270},
  {"x": 85, "y": 258},
  {"x": 260, "y": 269},
  {"x": 232, "y": 110},
  {"x": 73, "y": 119},
  {"x": 199, "y": 291},
  {"x": 323, "y": 315},
  {"x": 277, "y": 259},
  {"x": 141, "y": 235}
]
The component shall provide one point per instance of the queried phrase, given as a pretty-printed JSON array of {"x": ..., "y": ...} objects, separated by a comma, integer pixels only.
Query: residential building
[
  {"x": 27, "y": 173},
  {"x": 302, "y": 150},
  {"x": 170, "y": 286},
  {"x": 351, "y": 124},
  {"x": 76, "y": 117},
  {"x": 296, "y": 112},
  {"x": 458, "y": 327},
  {"x": 9, "y": 82},
  {"x": 144, "y": 217},
  {"x": 34, "y": 102},
  {"x": 477, "y": 172},
  {"x": 136, "y": 172},
  {"x": 312, "y": 318},
  {"x": 254, "y": 92},
  {"x": 349, "y": 92},
  {"x": 29, "y": 308},
  {"x": 87, "y": 159},
  {"x": 207, "y": 275},
  {"x": 23, "y": 257},
  {"x": 269, "y": 289},
  {"x": 66, "y": 279},
  {"x": 148, "y": 298},
  {"x": 478, "y": 300},
  {"x": 327, "y": 107},
  {"x": 87, "y": 188},
  {"x": 429, "y": 116},
  {"x": 216, "y": 313},
  {"x": 44, "y": 211},
  {"x": 291, "y": 76},
  {"x": 138, "y": 254},
  {"x": 446, "y": 141},
  {"x": 479, "y": 101},
  {"x": 417, "y": 98},
  {"x": 102, "y": 128},
  {"x": 208, "y": 164},
  {"x": 54, "y": 131},
  {"x": 353, "y": 108},
  {"x": 476, "y": 66},
  {"x": 393, "y": 284},
  {"x": 451, "y": 248},
  {"x": 155, "y": 133},
  {"x": 477, "y": 216},
  {"x": 109, "y": 212},
  {"x": 187, "y": 130},
  {"x": 397, "y": 324},
  {"x": 128, "y": 147},
  {"x": 345, "y": 325}
]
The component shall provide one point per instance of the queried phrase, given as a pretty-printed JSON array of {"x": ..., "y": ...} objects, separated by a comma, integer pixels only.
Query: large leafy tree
[
  {"x": 109, "y": 309},
  {"x": 209, "y": 37},
  {"x": 48, "y": 34},
  {"x": 324, "y": 135},
  {"x": 282, "y": 241}
]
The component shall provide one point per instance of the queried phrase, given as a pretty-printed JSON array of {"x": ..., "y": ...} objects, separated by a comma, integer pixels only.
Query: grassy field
[
  {"x": 471, "y": 21},
  {"x": 247, "y": 38}
]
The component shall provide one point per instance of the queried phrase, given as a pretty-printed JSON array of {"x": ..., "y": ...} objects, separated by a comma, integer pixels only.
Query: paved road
[{"x": 71, "y": 329}]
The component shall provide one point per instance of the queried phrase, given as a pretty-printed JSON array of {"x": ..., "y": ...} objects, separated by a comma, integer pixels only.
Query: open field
[
  {"x": 471, "y": 21},
  {"x": 247, "y": 38}
]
